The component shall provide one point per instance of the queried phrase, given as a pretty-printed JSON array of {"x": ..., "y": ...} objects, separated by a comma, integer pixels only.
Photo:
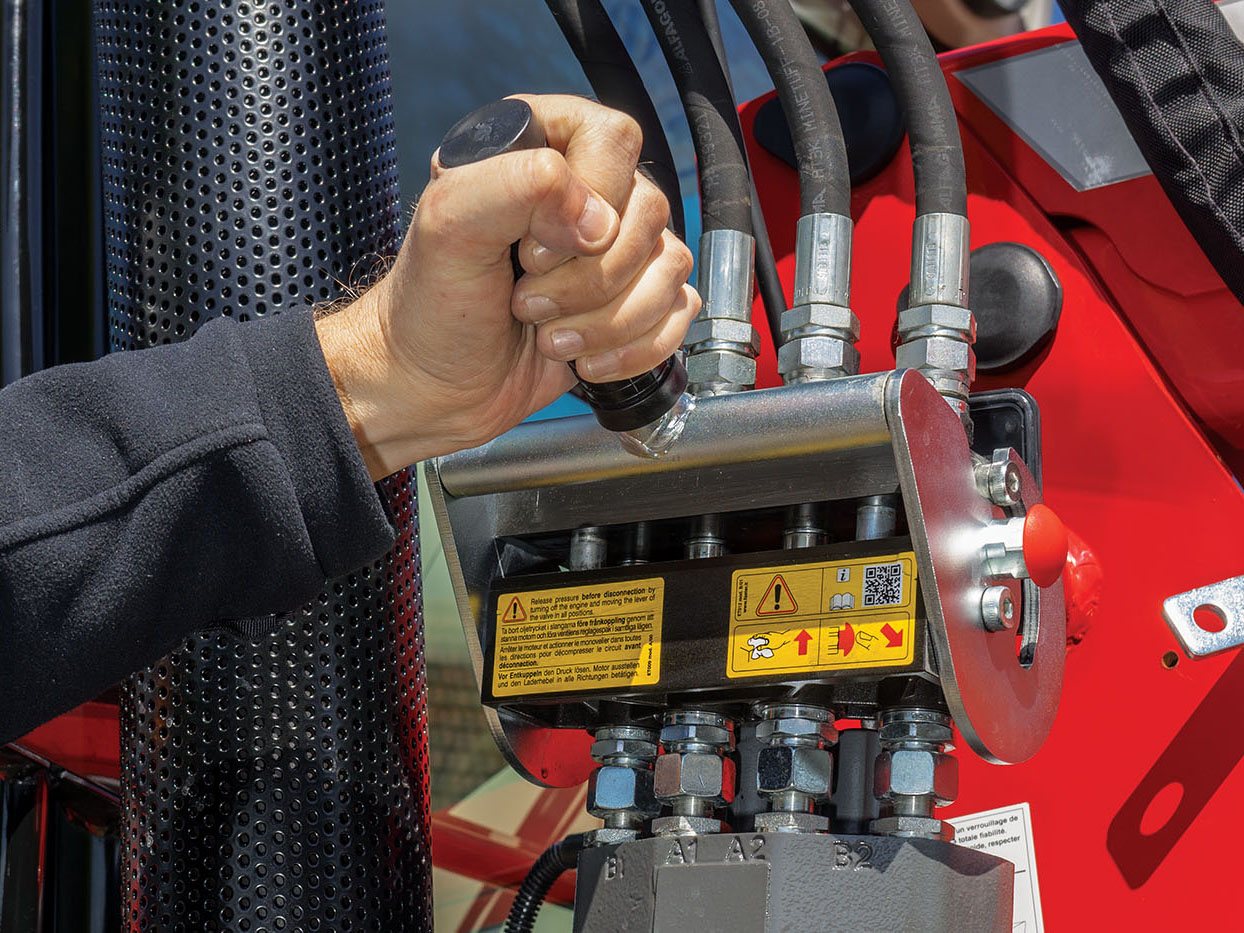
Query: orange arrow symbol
[
  {"x": 803, "y": 638},
  {"x": 893, "y": 637}
]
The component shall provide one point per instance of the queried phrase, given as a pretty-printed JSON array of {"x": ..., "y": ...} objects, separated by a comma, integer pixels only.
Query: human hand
[{"x": 447, "y": 351}]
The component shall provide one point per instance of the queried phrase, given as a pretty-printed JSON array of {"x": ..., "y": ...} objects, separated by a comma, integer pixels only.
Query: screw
[{"x": 997, "y": 609}]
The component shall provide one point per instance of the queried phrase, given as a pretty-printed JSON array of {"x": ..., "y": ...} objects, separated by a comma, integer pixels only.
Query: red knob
[{"x": 1045, "y": 545}]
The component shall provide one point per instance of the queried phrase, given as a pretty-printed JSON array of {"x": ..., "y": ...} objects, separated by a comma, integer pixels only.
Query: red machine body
[
  {"x": 1141, "y": 391},
  {"x": 1142, "y": 408}
]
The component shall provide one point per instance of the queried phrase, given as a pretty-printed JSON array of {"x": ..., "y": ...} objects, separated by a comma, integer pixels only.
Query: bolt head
[
  {"x": 795, "y": 727},
  {"x": 817, "y": 316},
  {"x": 694, "y": 774},
  {"x": 917, "y": 773},
  {"x": 784, "y": 768},
  {"x": 830, "y": 355},
  {"x": 782, "y": 822},
  {"x": 700, "y": 733},
  {"x": 717, "y": 329},
  {"x": 605, "y": 749},
  {"x": 937, "y": 353},
  {"x": 938, "y": 317},
  {"x": 613, "y": 787},
  {"x": 720, "y": 367},
  {"x": 998, "y": 610}
]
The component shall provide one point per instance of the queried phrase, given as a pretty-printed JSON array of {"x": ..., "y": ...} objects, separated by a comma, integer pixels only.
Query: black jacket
[{"x": 153, "y": 493}]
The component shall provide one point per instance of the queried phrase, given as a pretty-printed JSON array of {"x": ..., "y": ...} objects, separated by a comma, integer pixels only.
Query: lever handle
[{"x": 626, "y": 405}]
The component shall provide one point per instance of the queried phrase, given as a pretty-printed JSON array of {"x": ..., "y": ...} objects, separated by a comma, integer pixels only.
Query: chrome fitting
[
  {"x": 692, "y": 775},
  {"x": 998, "y": 479},
  {"x": 794, "y": 771},
  {"x": 876, "y": 517},
  {"x": 998, "y": 612},
  {"x": 620, "y": 791},
  {"x": 937, "y": 331},
  {"x": 913, "y": 773},
  {"x": 722, "y": 359},
  {"x": 819, "y": 331}
]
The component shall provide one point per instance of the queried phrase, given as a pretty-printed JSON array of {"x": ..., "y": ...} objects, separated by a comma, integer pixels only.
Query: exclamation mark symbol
[
  {"x": 514, "y": 609},
  {"x": 777, "y": 597}
]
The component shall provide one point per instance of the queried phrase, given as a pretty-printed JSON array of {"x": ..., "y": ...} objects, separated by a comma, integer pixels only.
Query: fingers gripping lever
[{"x": 647, "y": 411}]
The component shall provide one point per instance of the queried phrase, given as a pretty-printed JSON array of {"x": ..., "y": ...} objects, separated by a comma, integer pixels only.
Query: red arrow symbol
[
  {"x": 803, "y": 638},
  {"x": 894, "y": 638}
]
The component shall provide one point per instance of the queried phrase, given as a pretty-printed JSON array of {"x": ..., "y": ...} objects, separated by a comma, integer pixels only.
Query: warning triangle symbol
[
  {"x": 514, "y": 612},
  {"x": 778, "y": 599}
]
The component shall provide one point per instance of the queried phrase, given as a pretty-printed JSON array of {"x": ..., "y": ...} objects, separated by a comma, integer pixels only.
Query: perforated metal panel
[{"x": 278, "y": 782}]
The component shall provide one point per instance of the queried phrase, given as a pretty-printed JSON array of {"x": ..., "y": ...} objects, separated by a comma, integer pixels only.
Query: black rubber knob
[{"x": 509, "y": 126}]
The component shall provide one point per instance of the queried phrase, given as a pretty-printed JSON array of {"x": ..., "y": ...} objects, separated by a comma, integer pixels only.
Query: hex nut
[
  {"x": 692, "y": 774},
  {"x": 717, "y": 330},
  {"x": 613, "y": 787},
  {"x": 640, "y": 749},
  {"x": 928, "y": 320},
  {"x": 716, "y": 367},
  {"x": 782, "y": 822},
  {"x": 817, "y": 316},
  {"x": 910, "y": 772},
  {"x": 686, "y": 825},
  {"x": 795, "y": 728},
  {"x": 818, "y": 353},
  {"x": 937, "y": 353},
  {"x": 699, "y": 733},
  {"x": 781, "y": 769},
  {"x": 609, "y": 836},
  {"x": 919, "y": 827},
  {"x": 917, "y": 730}
]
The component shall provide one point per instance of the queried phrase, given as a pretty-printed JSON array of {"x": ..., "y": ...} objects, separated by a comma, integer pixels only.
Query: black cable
[
  {"x": 932, "y": 128},
  {"x": 768, "y": 282},
  {"x": 820, "y": 150},
  {"x": 558, "y": 858},
  {"x": 617, "y": 83},
  {"x": 725, "y": 189}
]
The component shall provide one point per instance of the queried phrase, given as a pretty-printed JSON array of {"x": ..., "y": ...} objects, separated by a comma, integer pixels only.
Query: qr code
[{"x": 883, "y": 585}]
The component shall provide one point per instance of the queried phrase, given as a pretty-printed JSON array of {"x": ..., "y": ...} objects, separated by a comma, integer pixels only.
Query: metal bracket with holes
[{"x": 1226, "y": 599}]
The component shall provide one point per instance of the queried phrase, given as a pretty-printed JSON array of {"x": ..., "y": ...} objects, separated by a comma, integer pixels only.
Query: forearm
[{"x": 154, "y": 493}]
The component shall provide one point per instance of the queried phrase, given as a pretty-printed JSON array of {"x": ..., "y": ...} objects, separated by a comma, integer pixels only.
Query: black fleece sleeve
[{"x": 156, "y": 492}]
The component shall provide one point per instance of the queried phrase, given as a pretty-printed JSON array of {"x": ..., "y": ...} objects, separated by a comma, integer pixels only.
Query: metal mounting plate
[
  {"x": 1226, "y": 599},
  {"x": 1003, "y": 708}
]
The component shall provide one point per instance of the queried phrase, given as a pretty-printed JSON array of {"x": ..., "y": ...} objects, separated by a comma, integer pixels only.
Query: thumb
[{"x": 478, "y": 210}]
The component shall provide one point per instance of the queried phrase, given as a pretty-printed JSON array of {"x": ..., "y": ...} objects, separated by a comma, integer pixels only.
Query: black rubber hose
[
  {"x": 616, "y": 82},
  {"x": 1176, "y": 72},
  {"x": 820, "y": 150},
  {"x": 558, "y": 858},
  {"x": 932, "y": 128},
  {"x": 768, "y": 282},
  {"x": 725, "y": 188}
]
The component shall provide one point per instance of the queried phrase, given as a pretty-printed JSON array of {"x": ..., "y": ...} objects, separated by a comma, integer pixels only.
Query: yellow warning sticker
[
  {"x": 578, "y": 638},
  {"x": 836, "y": 615}
]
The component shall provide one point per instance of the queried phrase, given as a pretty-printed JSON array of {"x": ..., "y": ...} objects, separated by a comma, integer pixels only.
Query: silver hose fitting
[
  {"x": 937, "y": 330},
  {"x": 694, "y": 775},
  {"x": 914, "y": 774},
  {"x": 721, "y": 343},
  {"x": 819, "y": 331},
  {"x": 619, "y": 791},
  {"x": 794, "y": 769}
]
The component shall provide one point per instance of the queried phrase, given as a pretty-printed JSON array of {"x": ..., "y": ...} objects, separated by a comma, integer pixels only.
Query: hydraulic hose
[
  {"x": 768, "y": 282},
  {"x": 616, "y": 81},
  {"x": 933, "y": 131},
  {"x": 1175, "y": 71},
  {"x": 820, "y": 151},
  {"x": 558, "y": 858},
  {"x": 725, "y": 188}
]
